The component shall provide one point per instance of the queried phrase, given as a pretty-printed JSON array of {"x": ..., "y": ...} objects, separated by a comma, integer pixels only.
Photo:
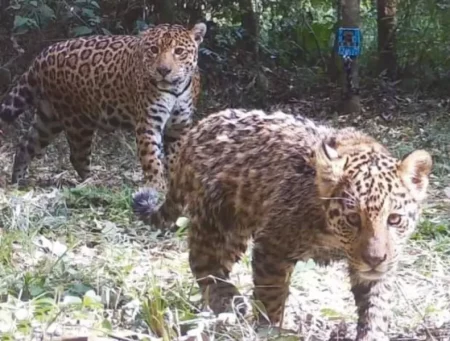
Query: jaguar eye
[
  {"x": 354, "y": 219},
  {"x": 154, "y": 49},
  {"x": 394, "y": 219},
  {"x": 179, "y": 51}
]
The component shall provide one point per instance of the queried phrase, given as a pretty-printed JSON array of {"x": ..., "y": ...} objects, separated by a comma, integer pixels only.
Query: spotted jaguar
[
  {"x": 302, "y": 191},
  {"x": 149, "y": 82}
]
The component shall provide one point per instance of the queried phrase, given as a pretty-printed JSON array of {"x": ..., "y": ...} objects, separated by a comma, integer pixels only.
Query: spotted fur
[
  {"x": 301, "y": 190},
  {"x": 148, "y": 82}
]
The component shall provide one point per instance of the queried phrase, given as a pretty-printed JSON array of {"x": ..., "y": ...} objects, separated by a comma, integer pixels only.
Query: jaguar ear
[
  {"x": 414, "y": 170},
  {"x": 329, "y": 167},
  {"x": 198, "y": 32}
]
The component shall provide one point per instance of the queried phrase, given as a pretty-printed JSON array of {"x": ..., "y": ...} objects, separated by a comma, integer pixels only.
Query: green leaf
[
  {"x": 44, "y": 301},
  {"x": 89, "y": 13},
  {"x": 330, "y": 313},
  {"x": 46, "y": 14},
  {"x": 79, "y": 289},
  {"x": 23, "y": 24},
  {"x": 81, "y": 31},
  {"x": 106, "y": 324},
  {"x": 89, "y": 302},
  {"x": 94, "y": 20},
  {"x": 20, "y": 21},
  {"x": 36, "y": 289},
  {"x": 47, "y": 11},
  {"x": 33, "y": 3},
  {"x": 106, "y": 32},
  {"x": 42, "y": 306},
  {"x": 94, "y": 4},
  {"x": 24, "y": 327}
]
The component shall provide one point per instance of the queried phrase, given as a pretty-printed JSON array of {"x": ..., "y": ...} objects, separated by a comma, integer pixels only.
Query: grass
[{"x": 73, "y": 261}]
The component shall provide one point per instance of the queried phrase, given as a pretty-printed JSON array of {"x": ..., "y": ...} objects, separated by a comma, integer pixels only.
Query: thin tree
[
  {"x": 250, "y": 23},
  {"x": 250, "y": 42},
  {"x": 351, "y": 19},
  {"x": 194, "y": 11},
  {"x": 334, "y": 59},
  {"x": 6, "y": 28},
  {"x": 166, "y": 11},
  {"x": 387, "y": 22}
]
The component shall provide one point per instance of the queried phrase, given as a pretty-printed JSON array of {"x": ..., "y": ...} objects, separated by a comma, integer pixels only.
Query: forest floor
[{"x": 74, "y": 261}]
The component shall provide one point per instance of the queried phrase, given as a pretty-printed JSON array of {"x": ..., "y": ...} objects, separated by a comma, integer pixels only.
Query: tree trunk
[
  {"x": 6, "y": 17},
  {"x": 387, "y": 61},
  {"x": 333, "y": 70},
  {"x": 351, "y": 19},
  {"x": 194, "y": 9},
  {"x": 250, "y": 23},
  {"x": 6, "y": 28},
  {"x": 166, "y": 11}
]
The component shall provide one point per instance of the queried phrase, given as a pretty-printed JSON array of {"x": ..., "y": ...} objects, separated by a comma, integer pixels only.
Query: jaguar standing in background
[
  {"x": 149, "y": 82},
  {"x": 301, "y": 190}
]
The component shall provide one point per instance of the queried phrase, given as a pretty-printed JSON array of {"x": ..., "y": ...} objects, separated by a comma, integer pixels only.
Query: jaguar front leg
[
  {"x": 372, "y": 299},
  {"x": 177, "y": 126},
  {"x": 149, "y": 139}
]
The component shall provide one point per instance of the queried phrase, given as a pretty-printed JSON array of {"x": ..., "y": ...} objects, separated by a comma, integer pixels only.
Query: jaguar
[
  {"x": 301, "y": 190},
  {"x": 149, "y": 82}
]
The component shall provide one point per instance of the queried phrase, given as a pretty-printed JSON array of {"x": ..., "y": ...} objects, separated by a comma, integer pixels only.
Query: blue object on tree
[{"x": 349, "y": 42}]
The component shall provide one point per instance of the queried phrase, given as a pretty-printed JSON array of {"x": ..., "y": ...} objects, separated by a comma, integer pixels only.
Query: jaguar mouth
[
  {"x": 371, "y": 275},
  {"x": 168, "y": 82}
]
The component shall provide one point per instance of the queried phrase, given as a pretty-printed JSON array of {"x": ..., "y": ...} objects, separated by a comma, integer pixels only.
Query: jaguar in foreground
[{"x": 300, "y": 190}]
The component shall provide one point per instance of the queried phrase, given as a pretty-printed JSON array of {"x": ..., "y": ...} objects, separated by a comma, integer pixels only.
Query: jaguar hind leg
[
  {"x": 271, "y": 276},
  {"x": 80, "y": 145},
  {"x": 41, "y": 133},
  {"x": 213, "y": 252}
]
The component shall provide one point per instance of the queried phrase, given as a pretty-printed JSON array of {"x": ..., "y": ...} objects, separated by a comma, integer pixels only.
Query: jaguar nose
[
  {"x": 163, "y": 70},
  {"x": 374, "y": 259}
]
